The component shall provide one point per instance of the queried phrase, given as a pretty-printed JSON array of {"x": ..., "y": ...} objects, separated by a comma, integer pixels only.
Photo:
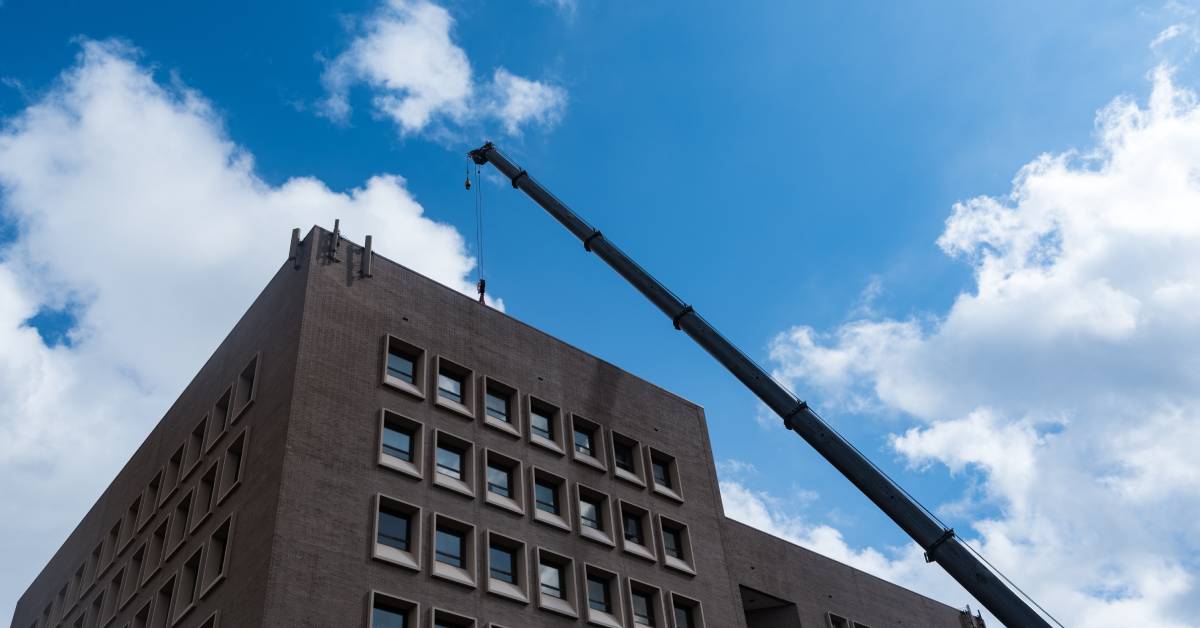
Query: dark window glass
[
  {"x": 683, "y": 617},
  {"x": 623, "y": 453},
  {"x": 393, "y": 530},
  {"x": 499, "y": 481},
  {"x": 449, "y": 463},
  {"x": 496, "y": 406},
  {"x": 545, "y": 496},
  {"x": 589, "y": 514},
  {"x": 838, "y": 622},
  {"x": 450, "y": 387},
  {"x": 643, "y": 608},
  {"x": 502, "y": 564},
  {"x": 388, "y": 617},
  {"x": 550, "y": 580},
  {"x": 662, "y": 474},
  {"x": 397, "y": 442},
  {"x": 401, "y": 367},
  {"x": 633, "y": 529},
  {"x": 583, "y": 442},
  {"x": 673, "y": 542},
  {"x": 598, "y": 598},
  {"x": 449, "y": 548},
  {"x": 541, "y": 425}
]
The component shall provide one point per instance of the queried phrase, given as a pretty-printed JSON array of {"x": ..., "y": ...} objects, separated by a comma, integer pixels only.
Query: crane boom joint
[{"x": 946, "y": 536}]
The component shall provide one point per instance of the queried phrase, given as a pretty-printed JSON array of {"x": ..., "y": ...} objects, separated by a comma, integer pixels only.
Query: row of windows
[
  {"x": 551, "y": 581},
  {"x": 454, "y": 388},
  {"x": 548, "y": 498},
  {"x": 215, "y": 484}
]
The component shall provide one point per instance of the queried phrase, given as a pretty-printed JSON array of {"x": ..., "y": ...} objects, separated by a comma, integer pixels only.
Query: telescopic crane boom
[{"x": 940, "y": 543}]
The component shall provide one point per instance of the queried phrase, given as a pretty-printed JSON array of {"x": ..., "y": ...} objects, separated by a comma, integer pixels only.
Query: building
[{"x": 370, "y": 448}]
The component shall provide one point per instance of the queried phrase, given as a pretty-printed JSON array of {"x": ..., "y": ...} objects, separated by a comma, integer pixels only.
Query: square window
[
  {"x": 664, "y": 473},
  {"x": 603, "y": 597},
  {"x": 589, "y": 514},
  {"x": 687, "y": 612},
  {"x": 454, "y": 550},
  {"x": 595, "y": 516},
  {"x": 586, "y": 443},
  {"x": 550, "y": 502},
  {"x": 836, "y": 621},
  {"x": 397, "y": 532},
  {"x": 635, "y": 523},
  {"x": 400, "y": 444},
  {"x": 455, "y": 388},
  {"x": 677, "y": 545},
  {"x": 645, "y": 603},
  {"x": 627, "y": 459},
  {"x": 392, "y": 612},
  {"x": 499, "y": 481},
  {"x": 550, "y": 581},
  {"x": 556, "y": 583},
  {"x": 453, "y": 463},
  {"x": 503, "y": 482},
  {"x": 404, "y": 366},
  {"x": 633, "y": 529},
  {"x": 545, "y": 425},
  {"x": 599, "y": 598},
  {"x": 246, "y": 388},
  {"x": 506, "y": 567}
]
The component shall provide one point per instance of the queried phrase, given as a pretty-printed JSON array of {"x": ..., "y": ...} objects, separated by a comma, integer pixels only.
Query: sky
[{"x": 968, "y": 234}]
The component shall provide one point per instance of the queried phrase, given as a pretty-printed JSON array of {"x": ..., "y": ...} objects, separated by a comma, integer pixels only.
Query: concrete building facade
[{"x": 368, "y": 448}]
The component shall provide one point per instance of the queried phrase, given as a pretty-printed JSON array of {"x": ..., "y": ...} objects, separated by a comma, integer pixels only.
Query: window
[
  {"x": 219, "y": 418},
  {"x": 155, "y": 549},
  {"x": 150, "y": 500},
  {"x": 502, "y": 476},
  {"x": 397, "y": 532},
  {"x": 162, "y": 603},
  {"x": 598, "y": 596},
  {"x": 454, "y": 550},
  {"x": 130, "y": 524},
  {"x": 556, "y": 583},
  {"x": 217, "y": 559},
  {"x": 499, "y": 481},
  {"x": 212, "y": 620},
  {"x": 506, "y": 567},
  {"x": 627, "y": 459},
  {"x": 206, "y": 493},
  {"x": 454, "y": 388},
  {"x": 500, "y": 406},
  {"x": 233, "y": 467},
  {"x": 595, "y": 516},
  {"x": 687, "y": 612},
  {"x": 171, "y": 475},
  {"x": 635, "y": 521},
  {"x": 177, "y": 532},
  {"x": 665, "y": 474},
  {"x": 589, "y": 514},
  {"x": 677, "y": 545},
  {"x": 133, "y": 574},
  {"x": 546, "y": 495},
  {"x": 110, "y": 547},
  {"x": 392, "y": 612},
  {"x": 586, "y": 444},
  {"x": 446, "y": 619},
  {"x": 453, "y": 464},
  {"x": 404, "y": 366},
  {"x": 189, "y": 582},
  {"x": 113, "y": 597},
  {"x": 141, "y": 619},
  {"x": 836, "y": 621},
  {"x": 400, "y": 444},
  {"x": 247, "y": 385},
  {"x": 645, "y": 605},
  {"x": 603, "y": 604},
  {"x": 195, "y": 447},
  {"x": 545, "y": 425}
]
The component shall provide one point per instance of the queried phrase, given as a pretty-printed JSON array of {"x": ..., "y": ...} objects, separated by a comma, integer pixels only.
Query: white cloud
[
  {"x": 132, "y": 203},
  {"x": 420, "y": 78},
  {"x": 1066, "y": 383}
]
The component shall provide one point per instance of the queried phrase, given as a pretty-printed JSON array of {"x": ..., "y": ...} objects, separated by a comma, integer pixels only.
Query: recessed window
[
  {"x": 454, "y": 550},
  {"x": 141, "y": 619},
  {"x": 206, "y": 495},
  {"x": 219, "y": 418},
  {"x": 503, "y": 478},
  {"x": 130, "y": 525},
  {"x": 246, "y": 388},
  {"x": 586, "y": 444},
  {"x": 446, "y": 619},
  {"x": 397, "y": 532},
  {"x": 155, "y": 550},
  {"x": 549, "y": 499},
  {"x": 150, "y": 500},
  {"x": 860, "y": 625},
  {"x": 216, "y": 561},
  {"x": 392, "y": 612},
  {"x": 195, "y": 447},
  {"x": 686, "y": 612},
  {"x": 233, "y": 467},
  {"x": 836, "y": 621},
  {"x": 500, "y": 407},
  {"x": 177, "y": 532},
  {"x": 453, "y": 464},
  {"x": 677, "y": 545},
  {"x": 171, "y": 475},
  {"x": 189, "y": 584},
  {"x": 400, "y": 443},
  {"x": 645, "y": 605},
  {"x": 506, "y": 567},
  {"x": 635, "y": 524},
  {"x": 113, "y": 596},
  {"x": 665, "y": 475},
  {"x": 545, "y": 425},
  {"x": 110, "y": 547},
  {"x": 404, "y": 366},
  {"x": 133, "y": 574},
  {"x": 595, "y": 517},
  {"x": 556, "y": 583},
  {"x": 162, "y": 603},
  {"x": 454, "y": 388},
  {"x": 603, "y": 606},
  {"x": 627, "y": 459}
]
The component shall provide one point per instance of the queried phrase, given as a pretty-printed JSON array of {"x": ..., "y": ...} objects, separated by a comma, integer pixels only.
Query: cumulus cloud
[
  {"x": 405, "y": 54},
  {"x": 132, "y": 207},
  {"x": 1066, "y": 383}
]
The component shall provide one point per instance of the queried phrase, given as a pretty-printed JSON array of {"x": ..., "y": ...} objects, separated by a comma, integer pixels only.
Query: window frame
[
  {"x": 554, "y": 444},
  {"x": 464, "y": 486},
  {"x": 515, "y": 502},
  {"x": 686, "y": 564},
  {"x": 458, "y": 620},
  {"x": 603, "y": 536},
  {"x": 658, "y": 611},
  {"x": 695, "y": 606},
  {"x": 517, "y": 591},
  {"x": 410, "y": 558},
  {"x": 595, "y": 459},
  {"x": 612, "y": 617},
  {"x": 225, "y": 484},
  {"x": 413, "y": 353},
  {"x": 638, "y": 475},
  {"x": 512, "y": 427},
  {"x": 675, "y": 491},
  {"x": 208, "y": 579},
  {"x": 646, "y": 549},
  {"x": 568, "y": 604},
  {"x": 410, "y": 609},
  {"x": 241, "y": 405},
  {"x": 465, "y": 575},
  {"x": 219, "y": 418},
  {"x": 466, "y": 407},
  {"x": 411, "y": 468},
  {"x": 562, "y": 520}
]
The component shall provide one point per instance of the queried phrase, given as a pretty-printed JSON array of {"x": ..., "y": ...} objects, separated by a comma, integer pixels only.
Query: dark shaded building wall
[
  {"x": 819, "y": 585},
  {"x": 331, "y": 474},
  {"x": 269, "y": 328}
]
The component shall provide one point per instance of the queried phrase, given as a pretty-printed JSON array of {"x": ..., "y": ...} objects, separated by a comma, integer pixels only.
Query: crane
[{"x": 941, "y": 544}]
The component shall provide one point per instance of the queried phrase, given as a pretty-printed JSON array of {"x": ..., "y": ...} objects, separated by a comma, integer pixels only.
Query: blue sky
[{"x": 777, "y": 165}]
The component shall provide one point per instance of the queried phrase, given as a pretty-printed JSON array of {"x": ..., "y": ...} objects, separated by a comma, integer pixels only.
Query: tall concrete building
[{"x": 368, "y": 448}]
